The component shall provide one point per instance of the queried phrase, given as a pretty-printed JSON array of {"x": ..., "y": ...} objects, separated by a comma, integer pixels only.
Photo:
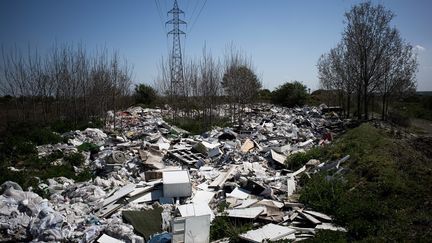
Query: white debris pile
[{"x": 155, "y": 181}]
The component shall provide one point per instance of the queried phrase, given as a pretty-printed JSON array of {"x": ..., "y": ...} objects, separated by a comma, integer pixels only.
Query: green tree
[
  {"x": 145, "y": 94},
  {"x": 264, "y": 95},
  {"x": 290, "y": 94},
  {"x": 241, "y": 84}
]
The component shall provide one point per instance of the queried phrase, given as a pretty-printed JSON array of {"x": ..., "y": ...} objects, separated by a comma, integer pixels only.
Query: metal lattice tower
[{"x": 176, "y": 64}]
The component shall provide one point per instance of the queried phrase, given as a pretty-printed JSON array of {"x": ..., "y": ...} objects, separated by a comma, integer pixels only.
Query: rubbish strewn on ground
[{"x": 157, "y": 183}]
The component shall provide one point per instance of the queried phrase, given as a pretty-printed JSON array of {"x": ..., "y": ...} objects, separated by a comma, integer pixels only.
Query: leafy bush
[
  {"x": 297, "y": 160},
  {"x": 89, "y": 147},
  {"x": 44, "y": 136},
  {"x": 328, "y": 236},
  {"x": 224, "y": 226},
  {"x": 290, "y": 94},
  {"x": 75, "y": 159},
  {"x": 145, "y": 94}
]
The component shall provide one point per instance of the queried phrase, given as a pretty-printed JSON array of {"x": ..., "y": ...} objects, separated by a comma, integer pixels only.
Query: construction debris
[{"x": 154, "y": 182}]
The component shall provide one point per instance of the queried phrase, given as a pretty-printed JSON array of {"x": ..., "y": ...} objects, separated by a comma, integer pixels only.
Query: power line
[
  {"x": 193, "y": 12},
  {"x": 193, "y": 24},
  {"x": 160, "y": 16}
]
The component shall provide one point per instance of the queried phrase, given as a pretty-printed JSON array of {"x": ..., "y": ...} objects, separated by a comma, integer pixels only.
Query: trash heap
[{"x": 155, "y": 182}]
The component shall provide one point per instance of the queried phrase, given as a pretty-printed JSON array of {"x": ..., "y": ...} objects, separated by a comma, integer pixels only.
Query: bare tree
[
  {"x": 367, "y": 38},
  {"x": 78, "y": 85},
  {"x": 372, "y": 58},
  {"x": 240, "y": 83},
  {"x": 399, "y": 68}
]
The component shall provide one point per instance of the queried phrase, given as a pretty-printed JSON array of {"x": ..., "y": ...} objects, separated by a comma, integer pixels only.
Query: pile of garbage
[{"x": 154, "y": 182}]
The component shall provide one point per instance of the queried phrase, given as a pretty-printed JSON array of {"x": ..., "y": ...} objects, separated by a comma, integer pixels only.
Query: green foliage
[
  {"x": 328, "y": 236},
  {"x": 74, "y": 159},
  {"x": 224, "y": 226},
  {"x": 297, "y": 160},
  {"x": 323, "y": 193},
  {"x": 197, "y": 126},
  {"x": 241, "y": 84},
  {"x": 264, "y": 95},
  {"x": 290, "y": 94},
  {"x": 44, "y": 136},
  {"x": 417, "y": 107},
  {"x": 384, "y": 194},
  {"x": 89, "y": 147},
  {"x": 145, "y": 94},
  {"x": 62, "y": 126}
]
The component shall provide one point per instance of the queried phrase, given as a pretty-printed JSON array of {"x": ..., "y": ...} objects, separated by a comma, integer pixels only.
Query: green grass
[
  {"x": 417, "y": 109},
  {"x": 386, "y": 193}
]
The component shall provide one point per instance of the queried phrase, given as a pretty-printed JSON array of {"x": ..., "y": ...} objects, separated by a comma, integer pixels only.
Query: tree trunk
[
  {"x": 365, "y": 104},
  {"x": 359, "y": 104},
  {"x": 348, "y": 105},
  {"x": 383, "y": 116}
]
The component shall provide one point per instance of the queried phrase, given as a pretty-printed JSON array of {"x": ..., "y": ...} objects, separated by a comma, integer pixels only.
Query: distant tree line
[
  {"x": 213, "y": 88},
  {"x": 66, "y": 83},
  {"x": 371, "y": 60}
]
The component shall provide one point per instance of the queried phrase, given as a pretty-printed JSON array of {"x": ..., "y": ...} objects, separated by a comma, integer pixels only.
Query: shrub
[
  {"x": 89, "y": 147},
  {"x": 44, "y": 136},
  {"x": 75, "y": 159},
  {"x": 223, "y": 226},
  {"x": 297, "y": 160},
  {"x": 145, "y": 94},
  {"x": 290, "y": 94}
]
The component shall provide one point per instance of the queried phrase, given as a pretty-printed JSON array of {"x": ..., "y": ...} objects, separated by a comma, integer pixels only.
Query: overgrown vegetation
[
  {"x": 224, "y": 226},
  {"x": 417, "y": 106},
  {"x": 385, "y": 194},
  {"x": 290, "y": 94},
  {"x": 145, "y": 95},
  {"x": 297, "y": 160},
  {"x": 19, "y": 161}
]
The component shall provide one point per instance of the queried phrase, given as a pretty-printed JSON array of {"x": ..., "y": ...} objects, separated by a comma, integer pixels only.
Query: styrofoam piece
[
  {"x": 270, "y": 232},
  {"x": 108, "y": 239},
  {"x": 311, "y": 218},
  {"x": 195, "y": 209},
  {"x": 278, "y": 157},
  {"x": 239, "y": 193},
  {"x": 305, "y": 143},
  {"x": 271, "y": 203},
  {"x": 203, "y": 196},
  {"x": 248, "y": 213},
  {"x": 318, "y": 215},
  {"x": 330, "y": 226},
  {"x": 291, "y": 184}
]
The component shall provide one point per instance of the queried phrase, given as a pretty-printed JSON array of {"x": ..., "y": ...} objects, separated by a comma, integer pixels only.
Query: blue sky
[{"x": 284, "y": 38}]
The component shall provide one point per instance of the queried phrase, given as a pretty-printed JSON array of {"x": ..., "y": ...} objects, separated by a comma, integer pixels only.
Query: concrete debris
[{"x": 147, "y": 169}]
